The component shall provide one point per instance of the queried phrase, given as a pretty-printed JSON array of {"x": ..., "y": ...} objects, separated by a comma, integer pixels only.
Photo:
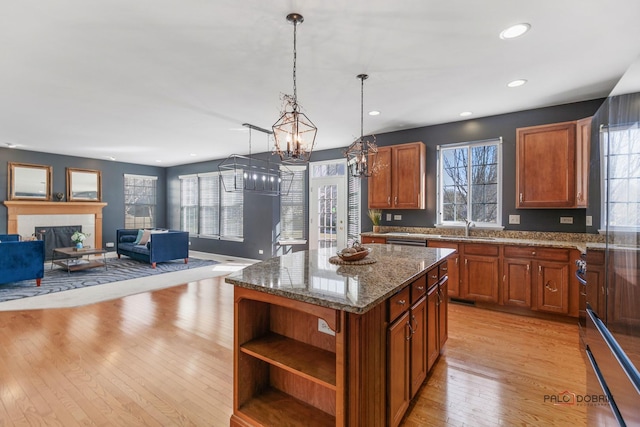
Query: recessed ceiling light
[
  {"x": 374, "y": 113},
  {"x": 515, "y": 31},
  {"x": 516, "y": 83},
  {"x": 466, "y": 113},
  {"x": 111, "y": 158},
  {"x": 193, "y": 154},
  {"x": 11, "y": 145},
  {"x": 158, "y": 161}
]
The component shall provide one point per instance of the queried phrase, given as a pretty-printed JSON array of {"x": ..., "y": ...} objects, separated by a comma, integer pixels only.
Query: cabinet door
[
  {"x": 418, "y": 344},
  {"x": 433, "y": 343},
  {"x": 545, "y": 166},
  {"x": 372, "y": 239},
  {"x": 380, "y": 182},
  {"x": 443, "y": 314},
  {"x": 452, "y": 266},
  {"x": 552, "y": 287},
  {"x": 583, "y": 145},
  {"x": 517, "y": 282},
  {"x": 398, "y": 369},
  {"x": 480, "y": 281},
  {"x": 408, "y": 176}
]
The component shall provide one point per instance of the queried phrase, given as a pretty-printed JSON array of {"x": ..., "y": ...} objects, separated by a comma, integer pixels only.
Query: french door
[{"x": 328, "y": 205}]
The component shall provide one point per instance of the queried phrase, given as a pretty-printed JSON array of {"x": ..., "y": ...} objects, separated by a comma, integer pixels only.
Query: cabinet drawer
[
  {"x": 481, "y": 249},
  {"x": 552, "y": 254},
  {"x": 443, "y": 270},
  {"x": 439, "y": 244},
  {"x": 418, "y": 288},
  {"x": 370, "y": 239},
  {"x": 399, "y": 303},
  {"x": 595, "y": 257},
  {"x": 432, "y": 277}
]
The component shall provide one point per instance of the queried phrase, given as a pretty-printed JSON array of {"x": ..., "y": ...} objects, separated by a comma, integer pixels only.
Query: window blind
[
  {"x": 293, "y": 207},
  {"x": 189, "y": 203},
  {"x": 231, "y": 207},
  {"x": 209, "y": 198}
]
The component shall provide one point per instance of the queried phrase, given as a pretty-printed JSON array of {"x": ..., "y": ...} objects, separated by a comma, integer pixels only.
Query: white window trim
[{"x": 458, "y": 224}]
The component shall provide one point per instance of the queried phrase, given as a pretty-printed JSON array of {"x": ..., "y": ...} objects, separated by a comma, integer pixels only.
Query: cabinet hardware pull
[
  {"x": 457, "y": 260},
  {"x": 414, "y": 329},
  {"x": 420, "y": 288},
  {"x": 539, "y": 269},
  {"x": 549, "y": 288},
  {"x": 528, "y": 267},
  {"x": 440, "y": 296},
  {"x": 521, "y": 198},
  {"x": 395, "y": 201},
  {"x": 433, "y": 276},
  {"x": 389, "y": 200},
  {"x": 533, "y": 253},
  {"x": 402, "y": 302},
  {"x": 465, "y": 261},
  {"x": 410, "y": 331},
  {"x": 504, "y": 278},
  {"x": 445, "y": 268}
]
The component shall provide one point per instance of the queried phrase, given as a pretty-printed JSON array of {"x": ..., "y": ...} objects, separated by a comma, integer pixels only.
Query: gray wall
[
  {"x": 262, "y": 212},
  {"x": 112, "y": 184}
]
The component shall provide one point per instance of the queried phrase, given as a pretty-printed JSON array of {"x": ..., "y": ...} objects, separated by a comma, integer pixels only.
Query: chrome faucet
[{"x": 467, "y": 225}]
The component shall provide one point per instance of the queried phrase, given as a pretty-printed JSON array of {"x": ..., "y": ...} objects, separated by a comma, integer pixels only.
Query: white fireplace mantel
[{"x": 18, "y": 208}]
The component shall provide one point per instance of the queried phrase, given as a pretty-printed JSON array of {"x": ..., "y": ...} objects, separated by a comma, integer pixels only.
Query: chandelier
[
  {"x": 251, "y": 174},
  {"x": 361, "y": 155},
  {"x": 294, "y": 133}
]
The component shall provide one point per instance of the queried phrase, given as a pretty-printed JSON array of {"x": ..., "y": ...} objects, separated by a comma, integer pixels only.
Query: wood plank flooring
[{"x": 164, "y": 358}]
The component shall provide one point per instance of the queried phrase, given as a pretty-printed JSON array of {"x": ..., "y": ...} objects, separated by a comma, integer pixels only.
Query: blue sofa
[
  {"x": 20, "y": 260},
  {"x": 162, "y": 246}
]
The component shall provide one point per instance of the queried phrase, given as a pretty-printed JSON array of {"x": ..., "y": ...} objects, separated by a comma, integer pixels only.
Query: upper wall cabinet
[
  {"x": 399, "y": 182},
  {"x": 551, "y": 171}
]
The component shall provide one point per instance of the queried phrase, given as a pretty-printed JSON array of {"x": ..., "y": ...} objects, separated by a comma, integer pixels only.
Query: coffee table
[{"x": 72, "y": 258}]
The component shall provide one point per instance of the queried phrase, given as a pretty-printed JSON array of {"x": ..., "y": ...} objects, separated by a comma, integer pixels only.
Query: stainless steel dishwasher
[{"x": 402, "y": 242}]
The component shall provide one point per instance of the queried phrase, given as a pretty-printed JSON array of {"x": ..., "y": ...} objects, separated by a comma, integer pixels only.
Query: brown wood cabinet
[
  {"x": 623, "y": 297},
  {"x": 372, "y": 239},
  {"x": 399, "y": 385},
  {"x": 583, "y": 148},
  {"x": 546, "y": 166},
  {"x": 552, "y": 287},
  {"x": 452, "y": 266},
  {"x": 480, "y": 275},
  {"x": 399, "y": 182},
  {"x": 516, "y": 282}
]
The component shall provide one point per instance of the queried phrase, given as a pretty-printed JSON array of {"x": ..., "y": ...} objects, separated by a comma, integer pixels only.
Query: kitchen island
[{"x": 322, "y": 344}]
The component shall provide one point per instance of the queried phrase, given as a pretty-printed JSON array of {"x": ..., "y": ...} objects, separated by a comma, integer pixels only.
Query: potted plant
[
  {"x": 375, "y": 215},
  {"x": 78, "y": 238}
]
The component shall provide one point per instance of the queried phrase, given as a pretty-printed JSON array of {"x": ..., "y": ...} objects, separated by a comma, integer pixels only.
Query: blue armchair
[{"x": 20, "y": 260}]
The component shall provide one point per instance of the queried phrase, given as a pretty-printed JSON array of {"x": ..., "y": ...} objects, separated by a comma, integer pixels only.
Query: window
[
  {"x": 621, "y": 176},
  {"x": 293, "y": 207},
  {"x": 353, "y": 209},
  {"x": 207, "y": 210},
  {"x": 470, "y": 183},
  {"x": 140, "y": 201}
]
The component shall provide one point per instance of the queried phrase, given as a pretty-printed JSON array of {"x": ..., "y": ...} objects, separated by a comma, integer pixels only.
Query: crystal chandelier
[
  {"x": 294, "y": 133},
  {"x": 361, "y": 155}
]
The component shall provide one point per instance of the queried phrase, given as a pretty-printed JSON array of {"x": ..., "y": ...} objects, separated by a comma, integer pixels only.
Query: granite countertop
[
  {"x": 579, "y": 241},
  {"x": 308, "y": 276}
]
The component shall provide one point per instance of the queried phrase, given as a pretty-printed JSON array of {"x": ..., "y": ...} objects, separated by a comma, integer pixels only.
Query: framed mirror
[
  {"x": 29, "y": 182},
  {"x": 84, "y": 185}
]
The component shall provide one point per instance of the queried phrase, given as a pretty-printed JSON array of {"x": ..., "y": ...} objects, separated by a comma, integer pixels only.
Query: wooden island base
[{"x": 298, "y": 363}]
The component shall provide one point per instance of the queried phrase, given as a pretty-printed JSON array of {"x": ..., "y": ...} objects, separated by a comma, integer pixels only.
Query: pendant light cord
[{"x": 295, "y": 54}]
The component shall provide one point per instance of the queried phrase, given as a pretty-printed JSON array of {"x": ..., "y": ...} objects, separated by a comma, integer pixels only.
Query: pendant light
[
  {"x": 362, "y": 155},
  {"x": 254, "y": 175},
  {"x": 294, "y": 133}
]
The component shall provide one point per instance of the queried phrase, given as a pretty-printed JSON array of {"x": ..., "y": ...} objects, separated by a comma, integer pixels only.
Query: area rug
[{"x": 58, "y": 279}]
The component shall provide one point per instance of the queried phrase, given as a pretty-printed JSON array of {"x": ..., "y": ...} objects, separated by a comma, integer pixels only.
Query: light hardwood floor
[{"x": 164, "y": 358}]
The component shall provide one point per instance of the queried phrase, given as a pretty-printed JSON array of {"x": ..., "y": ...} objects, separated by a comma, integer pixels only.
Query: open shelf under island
[{"x": 336, "y": 345}]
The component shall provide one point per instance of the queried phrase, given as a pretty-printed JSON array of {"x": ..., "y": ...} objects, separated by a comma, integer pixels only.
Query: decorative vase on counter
[
  {"x": 376, "y": 228},
  {"x": 79, "y": 245}
]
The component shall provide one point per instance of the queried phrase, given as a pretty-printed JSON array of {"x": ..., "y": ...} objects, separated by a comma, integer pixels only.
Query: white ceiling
[{"x": 173, "y": 80}]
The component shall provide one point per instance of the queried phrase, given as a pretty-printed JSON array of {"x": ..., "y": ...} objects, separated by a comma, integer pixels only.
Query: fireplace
[
  {"x": 55, "y": 236},
  {"x": 24, "y": 216}
]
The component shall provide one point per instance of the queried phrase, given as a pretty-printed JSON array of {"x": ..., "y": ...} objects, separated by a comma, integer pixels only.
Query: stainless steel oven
[{"x": 401, "y": 242}]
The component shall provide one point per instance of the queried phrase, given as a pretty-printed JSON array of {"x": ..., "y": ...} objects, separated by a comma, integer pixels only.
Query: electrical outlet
[
  {"x": 589, "y": 221},
  {"x": 514, "y": 219},
  {"x": 388, "y": 217},
  {"x": 324, "y": 328},
  {"x": 109, "y": 244},
  {"x": 260, "y": 251},
  {"x": 397, "y": 217},
  {"x": 566, "y": 220}
]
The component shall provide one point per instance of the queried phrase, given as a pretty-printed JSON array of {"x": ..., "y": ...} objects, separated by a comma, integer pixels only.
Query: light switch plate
[
  {"x": 397, "y": 217},
  {"x": 566, "y": 220},
  {"x": 514, "y": 219},
  {"x": 589, "y": 221},
  {"x": 388, "y": 217}
]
